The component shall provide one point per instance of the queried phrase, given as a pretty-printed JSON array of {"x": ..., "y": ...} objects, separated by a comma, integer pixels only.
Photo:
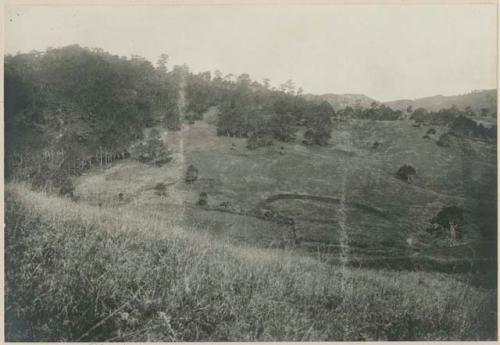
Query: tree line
[
  {"x": 85, "y": 103},
  {"x": 459, "y": 122},
  {"x": 90, "y": 106},
  {"x": 257, "y": 111}
]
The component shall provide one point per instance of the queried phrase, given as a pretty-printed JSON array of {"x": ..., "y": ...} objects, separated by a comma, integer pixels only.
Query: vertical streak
[
  {"x": 344, "y": 245},
  {"x": 181, "y": 106}
]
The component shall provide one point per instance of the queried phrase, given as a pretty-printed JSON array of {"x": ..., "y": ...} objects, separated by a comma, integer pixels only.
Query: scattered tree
[
  {"x": 191, "y": 174},
  {"x": 449, "y": 221},
  {"x": 203, "y": 199},
  {"x": 406, "y": 173}
]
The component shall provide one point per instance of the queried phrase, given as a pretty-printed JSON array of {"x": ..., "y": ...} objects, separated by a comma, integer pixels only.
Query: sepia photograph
[{"x": 219, "y": 171}]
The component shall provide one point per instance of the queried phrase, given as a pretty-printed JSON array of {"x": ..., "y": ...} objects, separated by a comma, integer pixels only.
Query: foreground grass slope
[{"x": 77, "y": 272}]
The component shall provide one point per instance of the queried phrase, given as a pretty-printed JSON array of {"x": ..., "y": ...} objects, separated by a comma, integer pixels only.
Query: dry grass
[
  {"x": 462, "y": 175},
  {"x": 76, "y": 272}
]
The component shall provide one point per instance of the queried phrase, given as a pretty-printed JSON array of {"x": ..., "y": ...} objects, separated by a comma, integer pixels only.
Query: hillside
[
  {"x": 149, "y": 203},
  {"x": 476, "y": 100},
  {"x": 108, "y": 275},
  {"x": 345, "y": 195},
  {"x": 338, "y": 101}
]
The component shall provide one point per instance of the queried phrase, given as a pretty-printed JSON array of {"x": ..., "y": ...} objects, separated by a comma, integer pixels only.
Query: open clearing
[{"x": 384, "y": 216}]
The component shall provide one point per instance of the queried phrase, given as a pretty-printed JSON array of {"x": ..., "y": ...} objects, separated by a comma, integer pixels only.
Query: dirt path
[{"x": 325, "y": 199}]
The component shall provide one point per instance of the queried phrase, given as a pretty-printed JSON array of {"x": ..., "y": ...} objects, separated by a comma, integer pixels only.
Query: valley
[{"x": 288, "y": 195}]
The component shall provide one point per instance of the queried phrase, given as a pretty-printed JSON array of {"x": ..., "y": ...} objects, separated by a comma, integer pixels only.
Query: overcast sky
[{"x": 386, "y": 52}]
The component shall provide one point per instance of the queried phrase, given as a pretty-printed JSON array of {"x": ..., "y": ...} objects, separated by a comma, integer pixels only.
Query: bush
[
  {"x": 191, "y": 174},
  {"x": 254, "y": 142},
  {"x": 152, "y": 151},
  {"x": 203, "y": 199},
  {"x": 406, "y": 172},
  {"x": 67, "y": 189},
  {"x": 312, "y": 137},
  {"x": 444, "y": 140},
  {"x": 160, "y": 189},
  {"x": 448, "y": 223}
]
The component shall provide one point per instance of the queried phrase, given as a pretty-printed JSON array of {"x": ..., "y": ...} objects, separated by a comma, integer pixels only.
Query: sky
[{"x": 386, "y": 52}]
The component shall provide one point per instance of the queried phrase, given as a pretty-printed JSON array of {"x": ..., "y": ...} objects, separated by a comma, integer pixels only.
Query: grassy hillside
[
  {"x": 344, "y": 195},
  {"x": 476, "y": 100},
  {"x": 80, "y": 272}
]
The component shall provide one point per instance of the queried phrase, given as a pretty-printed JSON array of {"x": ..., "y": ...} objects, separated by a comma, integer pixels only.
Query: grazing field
[
  {"x": 97, "y": 274},
  {"x": 344, "y": 195}
]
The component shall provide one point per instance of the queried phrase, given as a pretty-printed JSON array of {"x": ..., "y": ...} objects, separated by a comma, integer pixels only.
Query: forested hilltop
[
  {"x": 85, "y": 105},
  {"x": 71, "y": 107}
]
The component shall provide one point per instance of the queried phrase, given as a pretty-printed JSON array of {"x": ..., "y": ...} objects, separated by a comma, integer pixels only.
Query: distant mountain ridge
[{"x": 475, "y": 99}]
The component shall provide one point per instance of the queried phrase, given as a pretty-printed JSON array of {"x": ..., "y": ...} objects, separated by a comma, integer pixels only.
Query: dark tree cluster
[
  {"x": 152, "y": 150},
  {"x": 464, "y": 126},
  {"x": 442, "y": 117},
  {"x": 248, "y": 109},
  {"x": 69, "y": 108},
  {"x": 81, "y": 105},
  {"x": 459, "y": 121},
  {"x": 376, "y": 111},
  {"x": 448, "y": 223}
]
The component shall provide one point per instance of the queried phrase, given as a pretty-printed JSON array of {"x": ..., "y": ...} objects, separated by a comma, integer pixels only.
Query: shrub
[
  {"x": 448, "y": 222},
  {"x": 152, "y": 151},
  {"x": 203, "y": 199},
  {"x": 406, "y": 172},
  {"x": 160, "y": 189},
  {"x": 444, "y": 140},
  {"x": 191, "y": 174},
  {"x": 67, "y": 188},
  {"x": 254, "y": 142},
  {"x": 312, "y": 137}
]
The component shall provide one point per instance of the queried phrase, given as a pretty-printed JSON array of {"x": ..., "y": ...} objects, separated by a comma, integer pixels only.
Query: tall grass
[{"x": 75, "y": 272}]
